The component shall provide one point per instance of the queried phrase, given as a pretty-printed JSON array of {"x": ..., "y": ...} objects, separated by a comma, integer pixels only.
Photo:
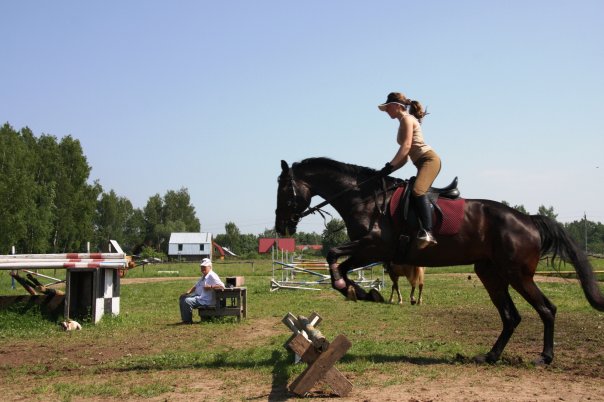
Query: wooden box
[{"x": 234, "y": 281}]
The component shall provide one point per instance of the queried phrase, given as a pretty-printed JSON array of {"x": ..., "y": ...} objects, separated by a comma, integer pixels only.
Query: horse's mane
[{"x": 323, "y": 163}]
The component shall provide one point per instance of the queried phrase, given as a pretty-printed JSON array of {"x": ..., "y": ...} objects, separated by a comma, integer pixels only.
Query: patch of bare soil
[{"x": 458, "y": 383}]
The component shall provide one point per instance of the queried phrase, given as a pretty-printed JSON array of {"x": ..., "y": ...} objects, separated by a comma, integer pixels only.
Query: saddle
[{"x": 446, "y": 203}]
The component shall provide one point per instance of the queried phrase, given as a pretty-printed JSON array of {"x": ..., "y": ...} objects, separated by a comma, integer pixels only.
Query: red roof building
[{"x": 287, "y": 244}]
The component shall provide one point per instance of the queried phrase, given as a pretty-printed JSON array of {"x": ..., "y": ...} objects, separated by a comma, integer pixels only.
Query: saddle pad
[
  {"x": 452, "y": 216},
  {"x": 452, "y": 213},
  {"x": 395, "y": 201}
]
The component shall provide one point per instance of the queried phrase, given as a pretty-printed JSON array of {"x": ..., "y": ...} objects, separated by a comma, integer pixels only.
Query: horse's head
[{"x": 293, "y": 197}]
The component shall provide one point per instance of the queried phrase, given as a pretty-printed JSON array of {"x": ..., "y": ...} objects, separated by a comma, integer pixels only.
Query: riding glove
[{"x": 386, "y": 170}]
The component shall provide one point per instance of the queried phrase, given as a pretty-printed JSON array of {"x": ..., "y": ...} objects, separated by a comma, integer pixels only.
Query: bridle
[{"x": 293, "y": 203}]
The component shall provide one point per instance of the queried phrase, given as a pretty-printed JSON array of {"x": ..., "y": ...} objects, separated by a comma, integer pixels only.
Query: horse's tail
[{"x": 556, "y": 240}]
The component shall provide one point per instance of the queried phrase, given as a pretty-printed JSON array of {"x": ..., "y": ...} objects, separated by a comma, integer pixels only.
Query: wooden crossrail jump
[{"x": 313, "y": 348}]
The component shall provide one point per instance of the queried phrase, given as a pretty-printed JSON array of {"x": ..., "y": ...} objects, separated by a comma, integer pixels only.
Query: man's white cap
[{"x": 206, "y": 262}]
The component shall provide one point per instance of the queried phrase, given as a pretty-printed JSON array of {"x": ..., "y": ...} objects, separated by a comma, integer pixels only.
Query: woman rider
[{"x": 412, "y": 145}]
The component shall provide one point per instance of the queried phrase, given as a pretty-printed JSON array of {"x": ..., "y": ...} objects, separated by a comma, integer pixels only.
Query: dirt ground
[{"x": 466, "y": 381}]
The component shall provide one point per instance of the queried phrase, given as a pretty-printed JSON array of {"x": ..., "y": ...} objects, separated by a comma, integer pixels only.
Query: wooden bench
[{"x": 229, "y": 302}]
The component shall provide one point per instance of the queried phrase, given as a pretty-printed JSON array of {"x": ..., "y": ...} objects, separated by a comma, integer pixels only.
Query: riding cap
[
  {"x": 206, "y": 262},
  {"x": 393, "y": 97}
]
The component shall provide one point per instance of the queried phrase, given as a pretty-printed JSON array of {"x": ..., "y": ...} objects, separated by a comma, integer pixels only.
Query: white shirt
[{"x": 206, "y": 296}]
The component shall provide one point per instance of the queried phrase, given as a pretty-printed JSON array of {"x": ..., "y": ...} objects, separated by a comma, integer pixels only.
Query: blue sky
[{"x": 212, "y": 95}]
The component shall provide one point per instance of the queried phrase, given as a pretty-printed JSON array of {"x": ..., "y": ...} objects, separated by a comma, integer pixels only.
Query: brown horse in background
[
  {"x": 503, "y": 244},
  {"x": 415, "y": 276}
]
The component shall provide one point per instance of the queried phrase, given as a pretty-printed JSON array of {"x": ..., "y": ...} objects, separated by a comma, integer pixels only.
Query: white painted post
[{"x": 12, "y": 282}]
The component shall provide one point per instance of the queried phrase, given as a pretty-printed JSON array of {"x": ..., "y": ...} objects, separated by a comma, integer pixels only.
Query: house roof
[
  {"x": 265, "y": 244},
  {"x": 190, "y": 238}
]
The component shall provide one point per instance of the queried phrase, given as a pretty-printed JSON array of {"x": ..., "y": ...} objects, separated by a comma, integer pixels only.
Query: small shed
[
  {"x": 190, "y": 246},
  {"x": 286, "y": 244}
]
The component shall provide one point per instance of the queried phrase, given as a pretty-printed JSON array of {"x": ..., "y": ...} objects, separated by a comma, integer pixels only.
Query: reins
[{"x": 318, "y": 207}]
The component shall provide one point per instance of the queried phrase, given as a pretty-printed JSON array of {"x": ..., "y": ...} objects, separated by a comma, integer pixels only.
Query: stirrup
[{"x": 425, "y": 239}]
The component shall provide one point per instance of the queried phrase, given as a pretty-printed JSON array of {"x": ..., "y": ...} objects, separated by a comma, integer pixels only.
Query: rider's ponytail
[{"x": 416, "y": 109}]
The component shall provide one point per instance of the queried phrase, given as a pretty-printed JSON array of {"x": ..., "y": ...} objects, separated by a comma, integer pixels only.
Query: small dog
[{"x": 70, "y": 325}]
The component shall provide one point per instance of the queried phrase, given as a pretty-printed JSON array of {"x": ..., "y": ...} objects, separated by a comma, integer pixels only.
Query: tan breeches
[{"x": 428, "y": 167}]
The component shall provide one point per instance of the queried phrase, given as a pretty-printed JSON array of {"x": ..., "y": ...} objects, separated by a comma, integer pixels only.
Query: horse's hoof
[
  {"x": 482, "y": 359},
  {"x": 413, "y": 302},
  {"x": 351, "y": 293},
  {"x": 376, "y": 296},
  {"x": 543, "y": 361}
]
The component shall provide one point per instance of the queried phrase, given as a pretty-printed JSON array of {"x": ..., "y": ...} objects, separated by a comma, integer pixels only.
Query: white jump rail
[
  {"x": 289, "y": 271},
  {"x": 65, "y": 260}
]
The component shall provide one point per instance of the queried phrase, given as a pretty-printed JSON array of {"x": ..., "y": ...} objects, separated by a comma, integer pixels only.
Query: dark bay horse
[{"x": 503, "y": 244}]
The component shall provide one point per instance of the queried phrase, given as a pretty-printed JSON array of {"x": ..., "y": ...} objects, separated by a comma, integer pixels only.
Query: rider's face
[{"x": 393, "y": 110}]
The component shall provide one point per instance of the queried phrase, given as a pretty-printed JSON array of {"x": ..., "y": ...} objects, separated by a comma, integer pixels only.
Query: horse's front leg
[
  {"x": 353, "y": 291},
  {"x": 360, "y": 252},
  {"x": 337, "y": 279}
]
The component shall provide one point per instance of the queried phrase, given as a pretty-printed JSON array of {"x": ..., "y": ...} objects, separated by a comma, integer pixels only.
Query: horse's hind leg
[
  {"x": 394, "y": 279},
  {"x": 547, "y": 312},
  {"x": 497, "y": 287},
  {"x": 415, "y": 275},
  {"x": 420, "y": 284}
]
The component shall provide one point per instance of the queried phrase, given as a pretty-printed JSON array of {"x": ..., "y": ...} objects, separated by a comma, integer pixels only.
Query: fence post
[{"x": 12, "y": 282}]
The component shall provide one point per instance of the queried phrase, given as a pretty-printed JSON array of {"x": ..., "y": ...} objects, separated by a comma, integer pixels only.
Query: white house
[{"x": 190, "y": 246}]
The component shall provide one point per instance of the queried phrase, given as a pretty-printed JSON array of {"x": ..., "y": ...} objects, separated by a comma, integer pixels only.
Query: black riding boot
[{"x": 424, "y": 212}]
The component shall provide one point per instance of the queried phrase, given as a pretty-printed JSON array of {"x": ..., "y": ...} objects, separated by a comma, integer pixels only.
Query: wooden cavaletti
[{"x": 311, "y": 347}]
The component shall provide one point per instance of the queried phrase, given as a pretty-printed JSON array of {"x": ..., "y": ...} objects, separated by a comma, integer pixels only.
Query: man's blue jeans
[{"x": 187, "y": 304}]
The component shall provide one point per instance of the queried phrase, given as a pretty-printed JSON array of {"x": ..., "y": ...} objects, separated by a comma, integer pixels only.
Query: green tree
[
  {"x": 135, "y": 231},
  {"x": 75, "y": 199},
  {"x": 41, "y": 205},
  {"x": 549, "y": 212},
  {"x": 307, "y": 238},
  {"x": 152, "y": 213},
  {"x": 111, "y": 221},
  {"x": 333, "y": 235},
  {"x": 46, "y": 203},
  {"x": 248, "y": 246},
  {"x": 585, "y": 230},
  {"x": 177, "y": 207},
  {"x": 232, "y": 237},
  {"x": 519, "y": 208},
  {"x": 172, "y": 213},
  {"x": 268, "y": 234},
  {"x": 16, "y": 189}
]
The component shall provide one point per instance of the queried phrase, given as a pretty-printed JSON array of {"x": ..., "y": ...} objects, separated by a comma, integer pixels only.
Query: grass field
[{"x": 142, "y": 354}]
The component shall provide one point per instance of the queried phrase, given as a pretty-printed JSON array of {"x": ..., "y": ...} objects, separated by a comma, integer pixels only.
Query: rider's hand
[{"x": 386, "y": 170}]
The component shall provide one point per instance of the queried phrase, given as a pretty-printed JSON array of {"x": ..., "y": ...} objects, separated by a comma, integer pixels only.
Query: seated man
[{"x": 202, "y": 294}]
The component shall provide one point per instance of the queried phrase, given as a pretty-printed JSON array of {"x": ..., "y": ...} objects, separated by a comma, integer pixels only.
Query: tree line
[{"x": 47, "y": 205}]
